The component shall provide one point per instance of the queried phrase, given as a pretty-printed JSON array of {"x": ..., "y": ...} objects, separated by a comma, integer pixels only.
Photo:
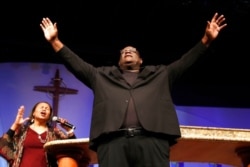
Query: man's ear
[{"x": 141, "y": 61}]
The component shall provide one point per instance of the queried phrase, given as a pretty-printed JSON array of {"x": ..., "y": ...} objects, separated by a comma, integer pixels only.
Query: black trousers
[{"x": 133, "y": 151}]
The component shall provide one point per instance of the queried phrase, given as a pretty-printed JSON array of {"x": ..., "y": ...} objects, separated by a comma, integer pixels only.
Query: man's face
[{"x": 130, "y": 58}]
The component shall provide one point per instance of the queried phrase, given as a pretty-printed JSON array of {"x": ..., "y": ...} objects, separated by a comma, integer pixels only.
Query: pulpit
[
  {"x": 227, "y": 146},
  {"x": 71, "y": 152},
  {"x": 197, "y": 144}
]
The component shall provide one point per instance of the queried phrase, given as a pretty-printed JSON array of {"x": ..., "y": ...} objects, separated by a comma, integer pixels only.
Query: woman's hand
[{"x": 19, "y": 118}]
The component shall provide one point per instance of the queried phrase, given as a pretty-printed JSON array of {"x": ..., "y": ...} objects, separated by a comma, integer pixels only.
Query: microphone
[{"x": 55, "y": 118}]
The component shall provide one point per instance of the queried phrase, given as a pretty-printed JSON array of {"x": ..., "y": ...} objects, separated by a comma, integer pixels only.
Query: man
[{"x": 134, "y": 122}]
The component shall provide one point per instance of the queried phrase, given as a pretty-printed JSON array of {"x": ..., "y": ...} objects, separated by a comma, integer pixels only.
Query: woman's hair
[{"x": 49, "y": 122}]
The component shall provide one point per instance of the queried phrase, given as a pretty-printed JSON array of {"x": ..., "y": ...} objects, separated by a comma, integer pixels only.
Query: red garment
[{"x": 33, "y": 152}]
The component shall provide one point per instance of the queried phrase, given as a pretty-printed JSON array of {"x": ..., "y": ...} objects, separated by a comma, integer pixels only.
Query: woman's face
[{"x": 42, "y": 112}]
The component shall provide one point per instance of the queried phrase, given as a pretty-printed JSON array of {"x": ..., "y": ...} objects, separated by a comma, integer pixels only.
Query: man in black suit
[{"x": 134, "y": 122}]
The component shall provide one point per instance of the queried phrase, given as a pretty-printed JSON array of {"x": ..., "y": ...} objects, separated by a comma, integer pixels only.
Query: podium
[
  {"x": 215, "y": 145},
  {"x": 227, "y": 146},
  {"x": 71, "y": 152}
]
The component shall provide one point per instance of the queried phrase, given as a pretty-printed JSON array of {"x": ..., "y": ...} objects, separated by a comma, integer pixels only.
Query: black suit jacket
[{"x": 151, "y": 93}]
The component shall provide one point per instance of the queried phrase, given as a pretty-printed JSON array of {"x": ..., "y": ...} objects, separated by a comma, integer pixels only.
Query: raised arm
[
  {"x": 213, "y": 28},
  {"x": 51, "y": 33},
  {"x": 19, "y": 119}
]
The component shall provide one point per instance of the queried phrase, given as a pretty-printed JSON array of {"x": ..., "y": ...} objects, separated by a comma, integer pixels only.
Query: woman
[{"x": 22, "y": 144}]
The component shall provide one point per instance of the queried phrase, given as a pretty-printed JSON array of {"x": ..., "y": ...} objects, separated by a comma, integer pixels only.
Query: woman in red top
[{"x": 22, "y": 144}]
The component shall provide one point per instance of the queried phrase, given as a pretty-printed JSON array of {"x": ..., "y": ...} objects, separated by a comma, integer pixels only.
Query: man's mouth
[{"x": 128, "y": 55}]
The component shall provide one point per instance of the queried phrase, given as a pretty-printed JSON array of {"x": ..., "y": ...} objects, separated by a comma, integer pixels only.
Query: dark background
[{"x": 162, "y": 30}]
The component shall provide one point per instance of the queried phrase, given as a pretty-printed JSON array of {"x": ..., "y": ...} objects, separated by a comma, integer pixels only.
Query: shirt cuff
[{"x": 11, "y": 132}]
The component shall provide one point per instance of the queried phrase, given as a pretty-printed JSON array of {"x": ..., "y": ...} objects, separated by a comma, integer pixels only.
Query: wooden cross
[{"x": 56, "y": 90}]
